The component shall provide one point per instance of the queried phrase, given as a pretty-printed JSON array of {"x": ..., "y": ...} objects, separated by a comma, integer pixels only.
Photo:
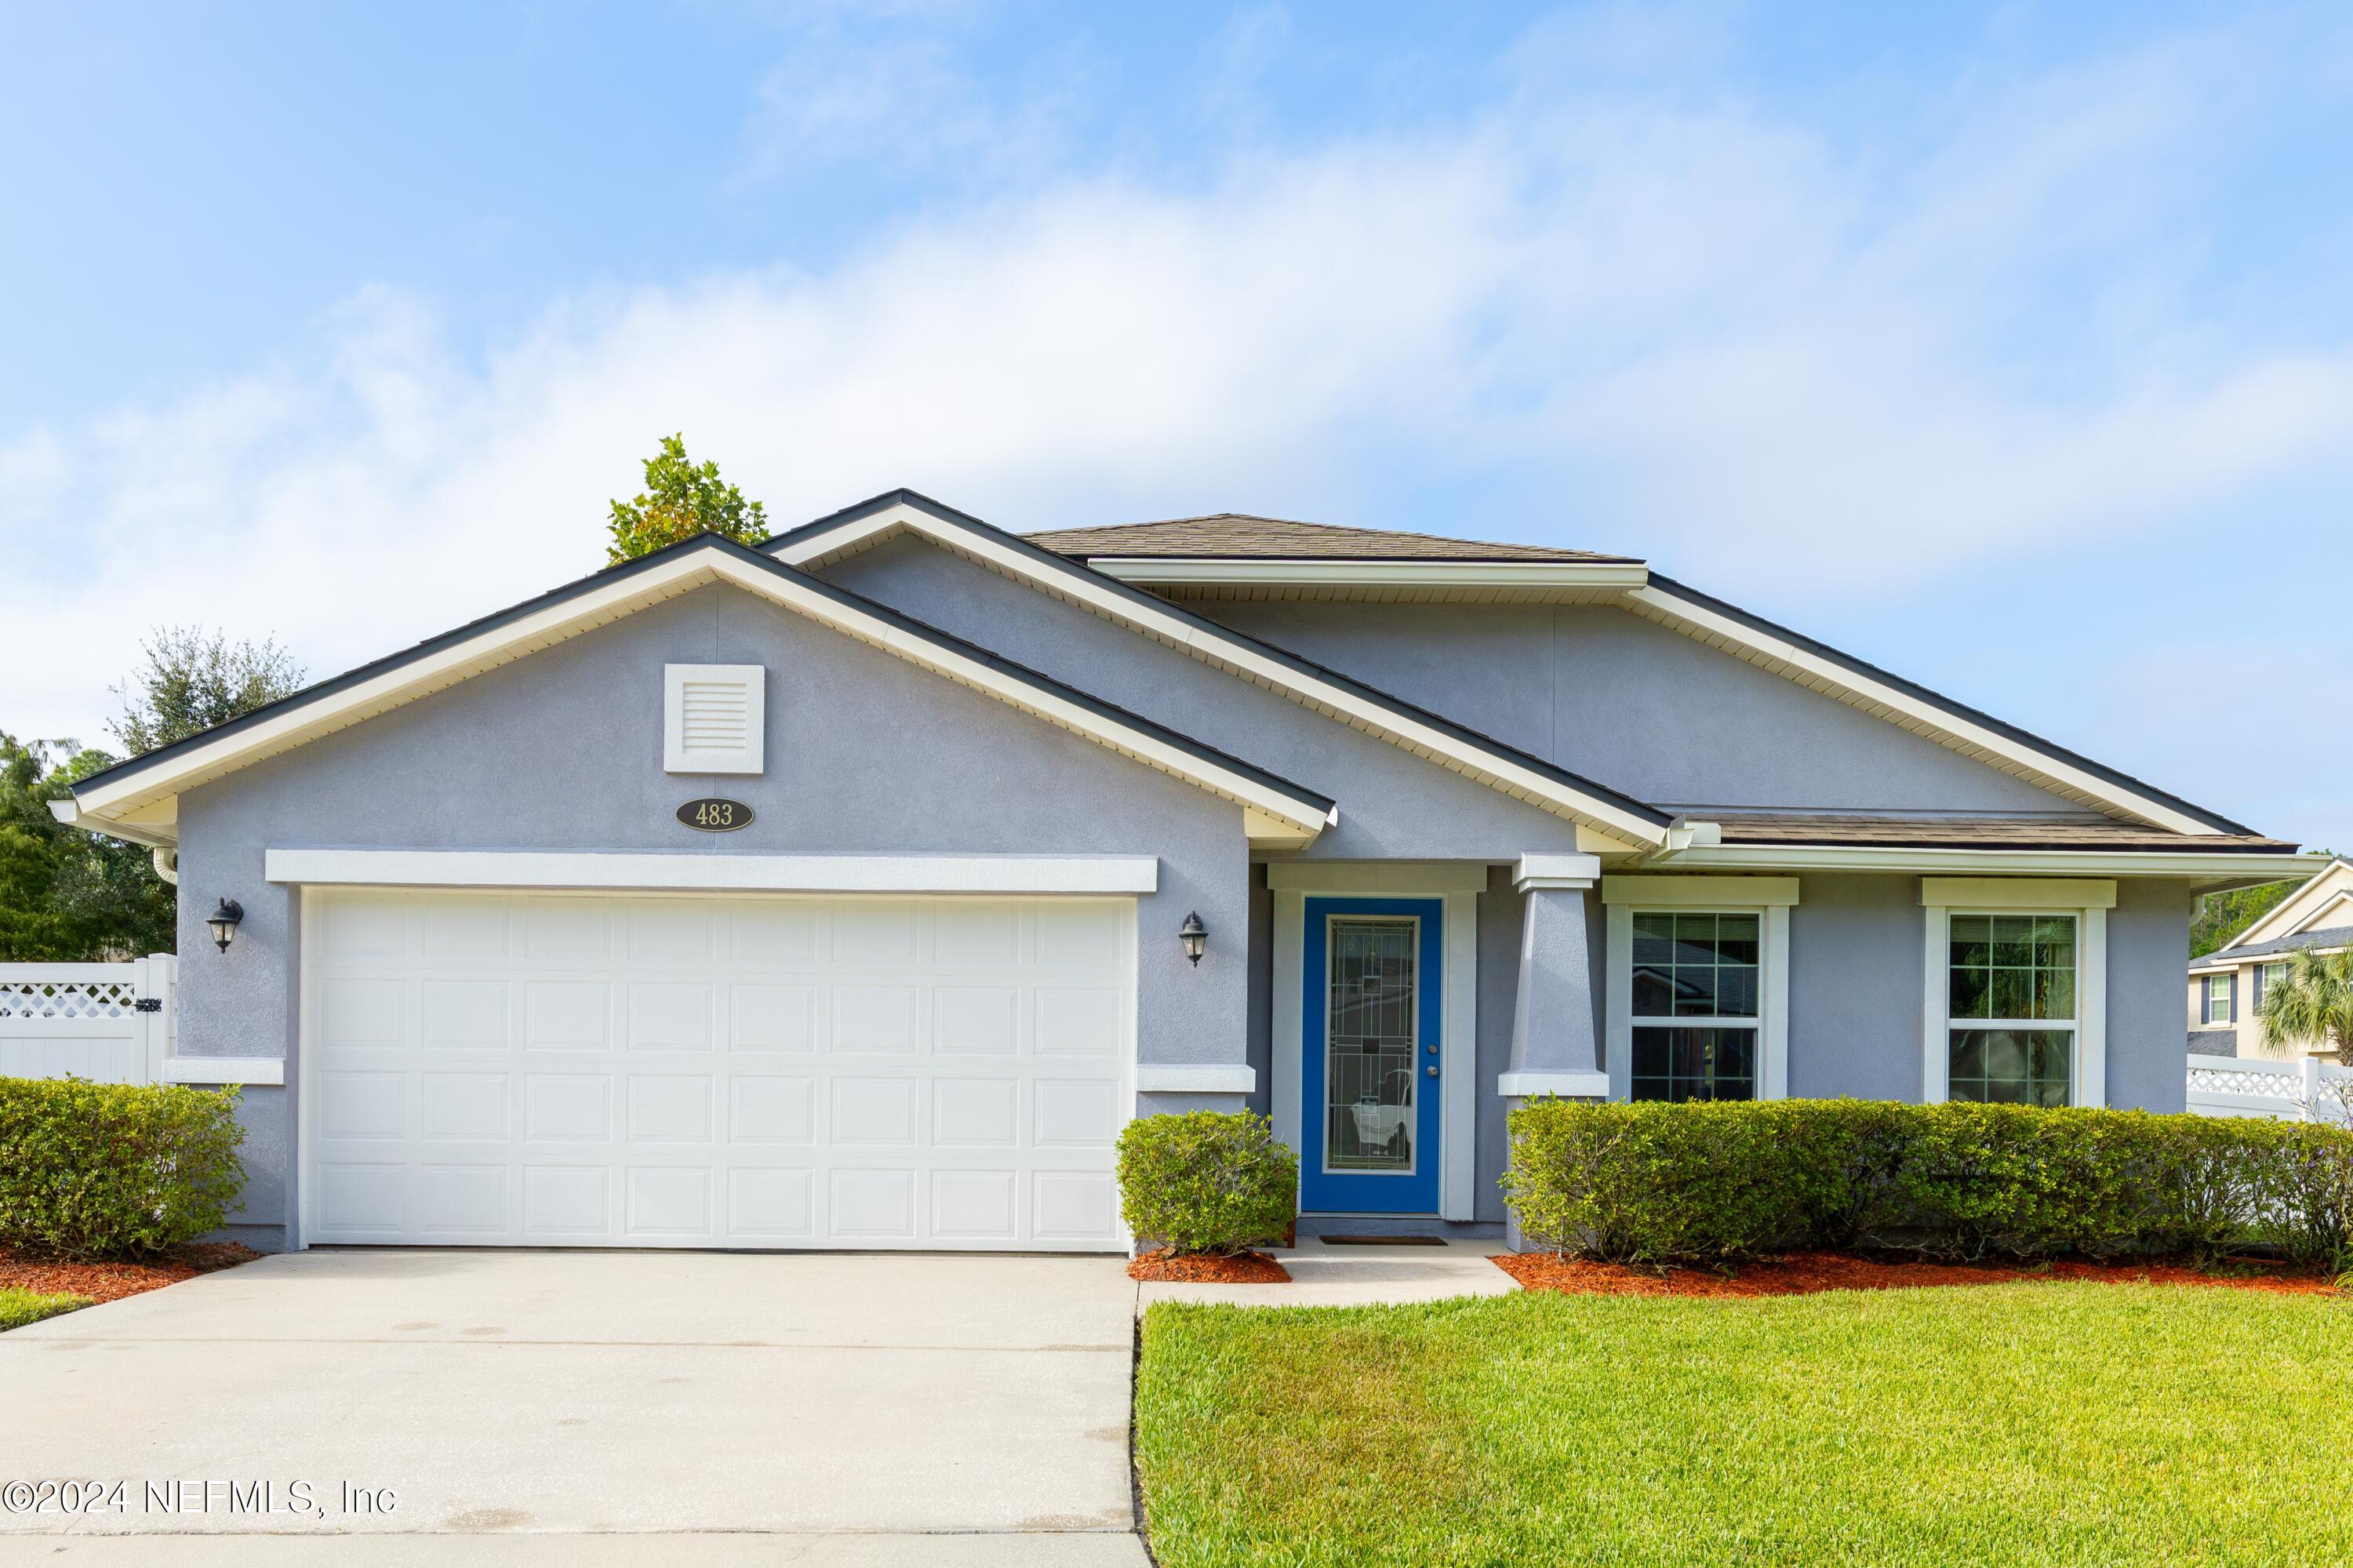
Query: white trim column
[{"x": 1556, "y": 1048}]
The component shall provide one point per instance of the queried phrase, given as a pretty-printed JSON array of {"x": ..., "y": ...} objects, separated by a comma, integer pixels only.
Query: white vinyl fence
[
  {"x": 111, "y": 1024},
  {"x": 2308, "y": 1090}
]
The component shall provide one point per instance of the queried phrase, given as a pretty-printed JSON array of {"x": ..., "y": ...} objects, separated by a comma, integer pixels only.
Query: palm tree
[{"x": 2312, "y": 1002}]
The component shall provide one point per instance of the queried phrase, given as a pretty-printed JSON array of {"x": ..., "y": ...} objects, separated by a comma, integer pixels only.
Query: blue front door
[{"x": 1369, "y": 1056}]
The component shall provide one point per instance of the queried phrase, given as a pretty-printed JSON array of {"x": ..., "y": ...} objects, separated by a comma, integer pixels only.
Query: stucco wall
[
  {"x": 1856, "y": 969},
  {"x": 2148, "y": 942},
  {"x": 1634, "y": 705},
  {"x": 1393, "y": 805},
  {"x": 563, "y": 751}
]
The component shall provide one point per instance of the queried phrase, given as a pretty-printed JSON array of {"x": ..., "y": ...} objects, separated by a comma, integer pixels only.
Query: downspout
[{"x": 167, "y": 864}]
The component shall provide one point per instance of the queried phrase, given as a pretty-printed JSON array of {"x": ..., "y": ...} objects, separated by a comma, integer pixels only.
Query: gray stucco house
[{"x": 837, "y": 892}]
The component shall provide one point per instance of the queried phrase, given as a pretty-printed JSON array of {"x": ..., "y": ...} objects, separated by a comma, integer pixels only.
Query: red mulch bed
[
  {"x": 113, "y": 1281},
  {"x": 1203, "y": 1268},
  {"x": 1803, "y": 1273}
]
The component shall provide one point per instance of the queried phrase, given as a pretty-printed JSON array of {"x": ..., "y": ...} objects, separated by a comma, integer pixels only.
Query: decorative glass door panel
[
  {"x": 1370, "y": 1068},
  {"x": 1370, "y": 1064}
]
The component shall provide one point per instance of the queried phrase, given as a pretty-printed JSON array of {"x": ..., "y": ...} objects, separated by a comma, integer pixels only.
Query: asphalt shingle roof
[
  {"x": 1972, "y": 832},
  {"x": 2333, "y": 937},
  {"x": 1236, "y": 535}
]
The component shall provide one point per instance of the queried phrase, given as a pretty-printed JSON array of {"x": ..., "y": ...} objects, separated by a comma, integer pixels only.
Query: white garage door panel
[{"x": 525, "y": 1069}]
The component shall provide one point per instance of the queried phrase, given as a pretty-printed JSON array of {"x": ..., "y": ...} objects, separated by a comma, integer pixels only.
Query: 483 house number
[{"x": 713, "y": 815}]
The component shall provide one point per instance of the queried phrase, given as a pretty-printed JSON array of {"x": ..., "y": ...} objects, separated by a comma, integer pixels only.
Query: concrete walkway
[
  {"x": 1326, "y": 1275},
  {"x": 589, "y": 1407}
]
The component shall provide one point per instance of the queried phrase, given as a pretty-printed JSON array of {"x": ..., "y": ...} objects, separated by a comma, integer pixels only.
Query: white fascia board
[
  {"x": 1190, "y": 1079},
  {"x": 2209, "y": 865},
  {"x": 1028, "y": 874},
  {"x": 1567, "y": 1085},
  {"x": 1155, "y": 571},
  {"x": 692, "y": 570},
  {"x": 1834, "y": 679},
  {"x": 405, "y": 682},
  {"x": 68, "y": 811},
  {"x": 1212, "y": 647},
  {"x": 258, "y": 1071}
]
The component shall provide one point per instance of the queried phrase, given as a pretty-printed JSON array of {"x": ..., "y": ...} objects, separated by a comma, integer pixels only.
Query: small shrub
[
  {"x": 108, "y": 1170},
  {"x": 1206, "y": 1181},
  {"x": 1710, "y": 1182}
]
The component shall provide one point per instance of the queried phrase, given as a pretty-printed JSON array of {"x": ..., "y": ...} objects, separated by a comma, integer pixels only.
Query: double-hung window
[
  {"x": 2266, "y": 977},
  {"x": 2016, "y": 1011},
  {"x": 2011, "y": 984},
  {"x": 1698, "y": 986},
  {"x": 2218, "y": 999},
  {"x": 1696, "y": 1004}
]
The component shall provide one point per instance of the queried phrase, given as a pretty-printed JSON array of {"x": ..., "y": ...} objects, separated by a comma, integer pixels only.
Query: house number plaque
[{"x": 712, "y": 815}]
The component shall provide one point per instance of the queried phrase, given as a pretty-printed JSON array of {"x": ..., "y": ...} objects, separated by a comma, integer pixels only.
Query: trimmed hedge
[
  {"x": 1206, "y": 1181},
  {"x": 1707, "y": 1182},
  {"x": 114, "y": 1170}
]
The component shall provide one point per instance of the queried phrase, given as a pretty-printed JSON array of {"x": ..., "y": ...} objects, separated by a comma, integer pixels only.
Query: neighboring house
[
  {"x": 2227, "y": 986},
  {"x": 1377, "y": 833}
]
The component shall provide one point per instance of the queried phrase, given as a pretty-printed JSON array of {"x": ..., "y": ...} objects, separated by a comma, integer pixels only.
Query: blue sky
[{"x": 2009, "y": 347}]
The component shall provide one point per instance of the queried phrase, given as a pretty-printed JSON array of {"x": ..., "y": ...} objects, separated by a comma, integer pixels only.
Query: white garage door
[{"x": 534, "y": 1070}]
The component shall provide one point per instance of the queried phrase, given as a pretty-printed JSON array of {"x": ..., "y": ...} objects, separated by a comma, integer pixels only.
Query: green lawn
[
  {"x": 19, "y": 1308},
  {"x": 2013, "y": 1425}
]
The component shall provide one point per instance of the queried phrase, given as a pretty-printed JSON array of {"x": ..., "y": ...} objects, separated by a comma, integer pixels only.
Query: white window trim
[
  {"x": 2226, "y": 980},
  {"x": 1457, "y": 1032},
  {"x": 752, "y": 756},
  {"x": 1768, "y": 898},
  {"x": 2088, "y": 900}
]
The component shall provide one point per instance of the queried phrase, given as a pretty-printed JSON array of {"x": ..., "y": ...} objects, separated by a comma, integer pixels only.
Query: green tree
[
  {"x": 2312, "y": 1004},
  {"x": 2222, "y": 916},
  {"x": 194, "y": 680},
  {"x": 680, "y": 501},
  {"x": 66, "y": 895},
  {"x": 73, "y": 896}
]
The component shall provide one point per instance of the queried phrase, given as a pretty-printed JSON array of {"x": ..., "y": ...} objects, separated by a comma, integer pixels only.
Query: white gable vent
[{"x": 713, "y": 718}]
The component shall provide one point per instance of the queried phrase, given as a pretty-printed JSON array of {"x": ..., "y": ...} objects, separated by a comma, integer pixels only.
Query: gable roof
[
  {"x": 2326, "y": 897},
  {"x": 1237, "y": 535},
  {"x": 2327, "y": 939},
  {"x": 125, "y": 796},
  {"x": 1912, "y": 706},
  {"x": 1433, "y": 737},
  {"x": 1618, "y": 580}
]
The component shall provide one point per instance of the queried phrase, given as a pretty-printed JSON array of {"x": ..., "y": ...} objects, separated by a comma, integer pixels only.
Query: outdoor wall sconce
[
  {"x": 224, "y": 920},
  {"x": 1196, "y": 937}
]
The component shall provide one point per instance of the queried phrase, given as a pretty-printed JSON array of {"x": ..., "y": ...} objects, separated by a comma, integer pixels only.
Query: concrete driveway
[{"x": 586, "y": 1407}]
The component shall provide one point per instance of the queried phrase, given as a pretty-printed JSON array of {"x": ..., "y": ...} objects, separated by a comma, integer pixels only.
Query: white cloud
[{"x": 1720, "y": 334}]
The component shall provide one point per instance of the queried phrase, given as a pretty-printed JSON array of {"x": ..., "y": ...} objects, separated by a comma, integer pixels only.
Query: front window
[
  {"x": 2266, "y": 977},
  {"x": 1695, "y": 1006},
  {"x": 2011, "y": 1008},
  {"x": 2217, "y": 998}
]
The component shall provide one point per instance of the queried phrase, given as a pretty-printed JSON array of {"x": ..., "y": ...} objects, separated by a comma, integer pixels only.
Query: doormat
[{"x": 1382, "y": 1241}]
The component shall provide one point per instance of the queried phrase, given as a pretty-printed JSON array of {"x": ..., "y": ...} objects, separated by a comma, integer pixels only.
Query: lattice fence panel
[{"x": 67, "y": 999}]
